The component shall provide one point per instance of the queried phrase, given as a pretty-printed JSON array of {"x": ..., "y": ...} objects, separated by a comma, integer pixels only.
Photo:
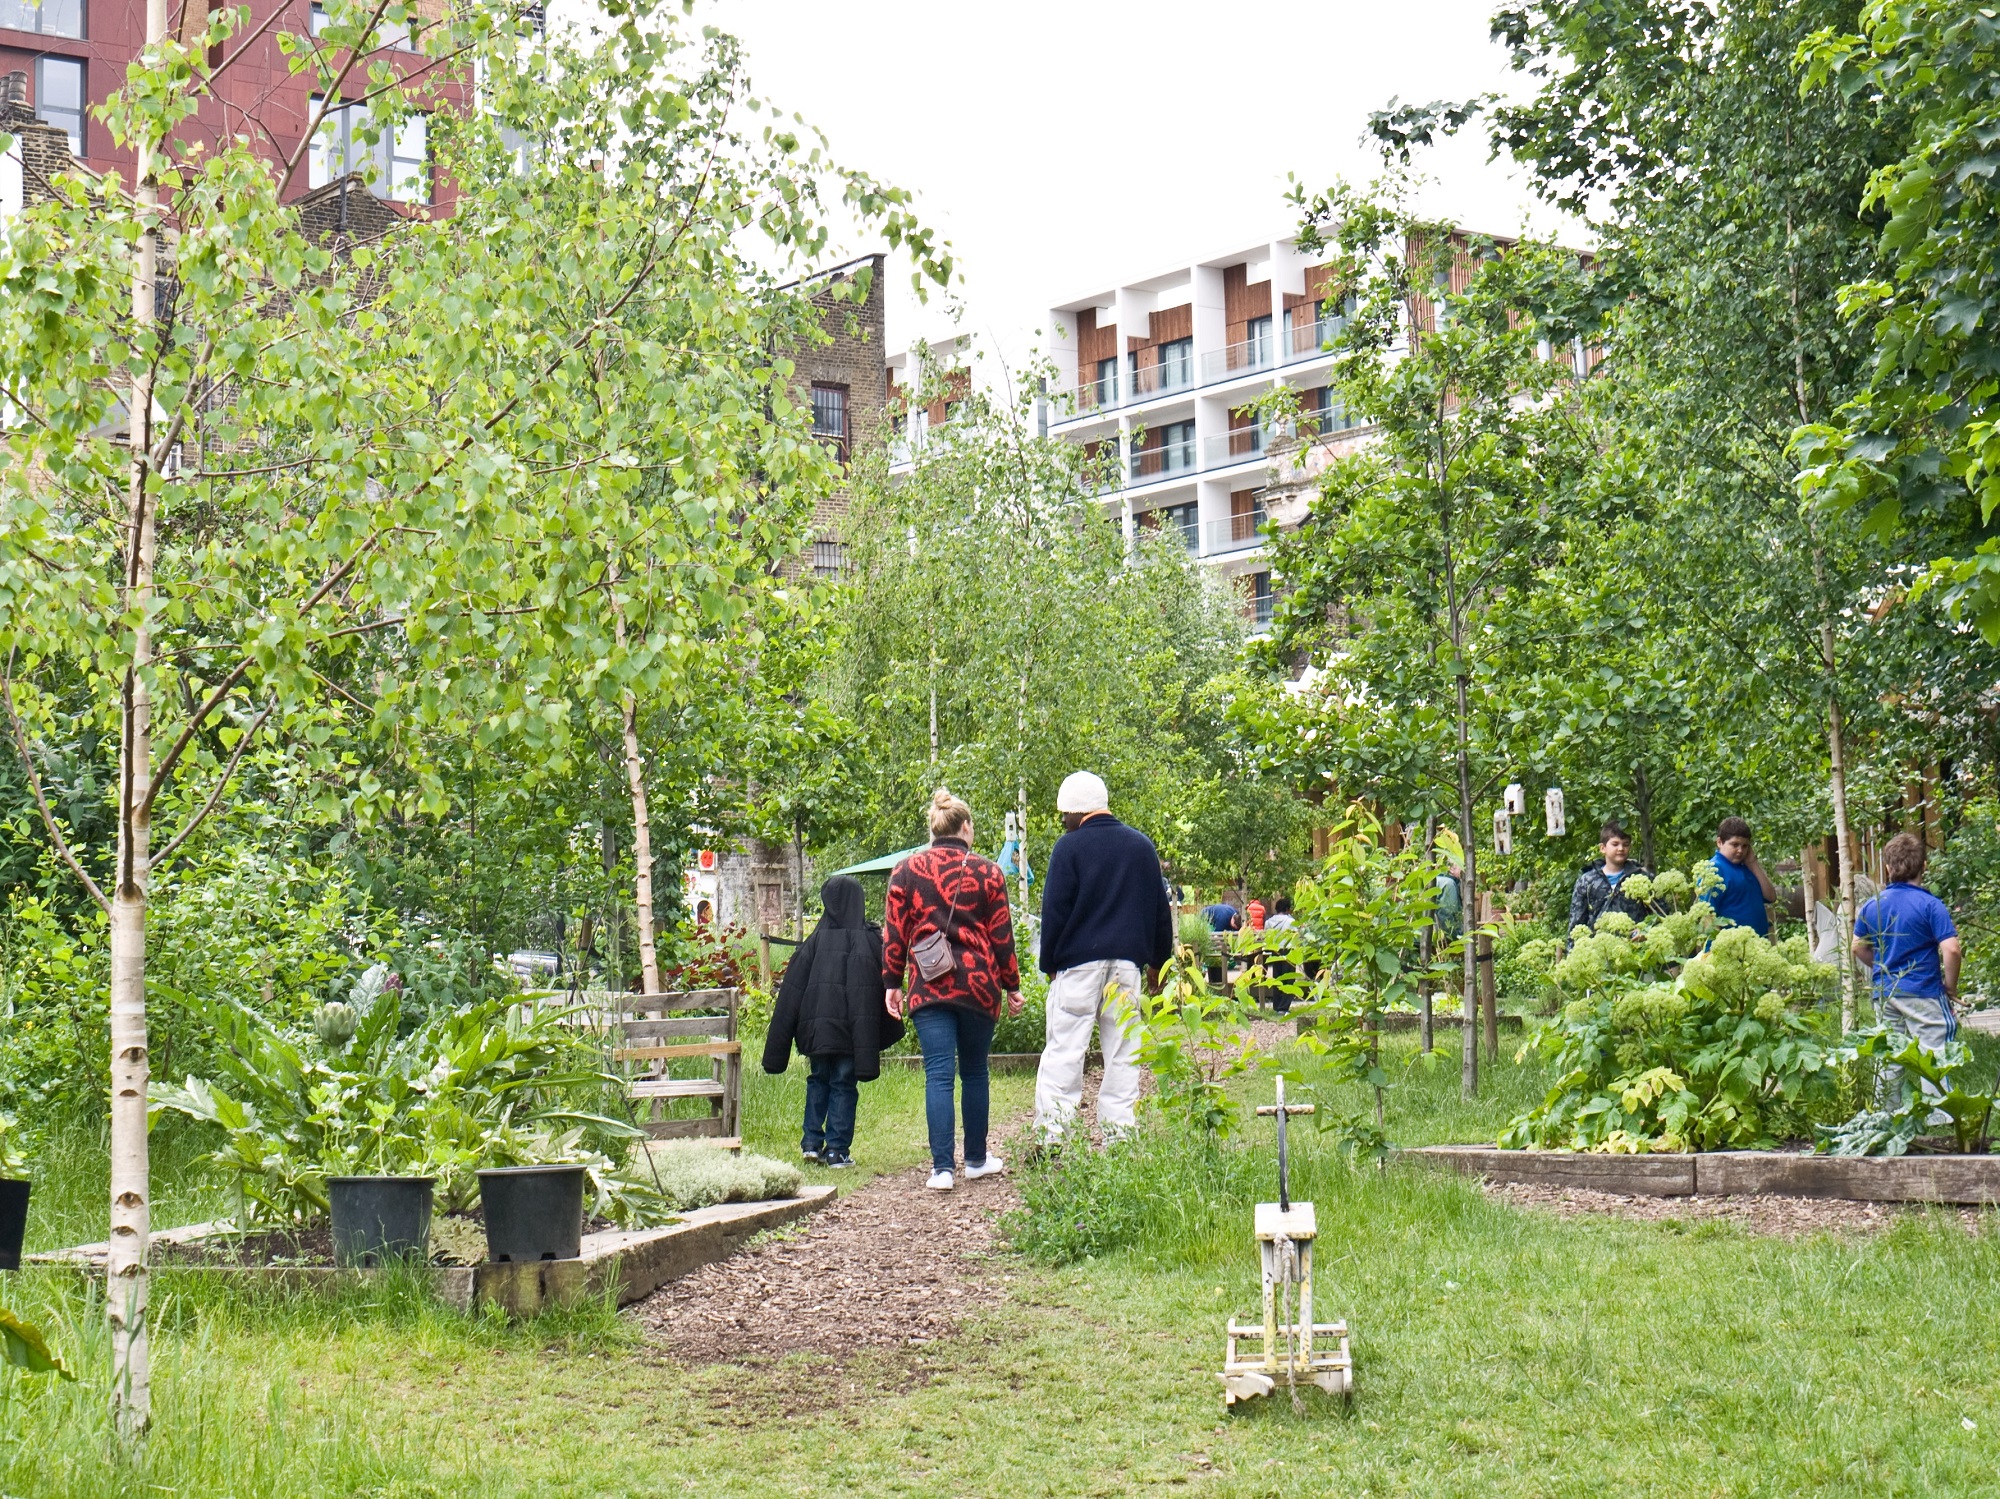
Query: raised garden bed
[
  {"x": 635, "y": 1262},
  {"x": 1732, "y": 1173}
]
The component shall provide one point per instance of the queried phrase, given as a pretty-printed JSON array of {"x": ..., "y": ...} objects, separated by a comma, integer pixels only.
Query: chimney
[{"x": 14, "y": 90}]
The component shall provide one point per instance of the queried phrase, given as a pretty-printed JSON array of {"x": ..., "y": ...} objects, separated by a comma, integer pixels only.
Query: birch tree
[{"x": 249, "y": 482}]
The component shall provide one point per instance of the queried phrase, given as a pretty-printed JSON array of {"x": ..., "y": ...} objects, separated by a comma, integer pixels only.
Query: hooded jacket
[{"x": 831, "y": 1002}]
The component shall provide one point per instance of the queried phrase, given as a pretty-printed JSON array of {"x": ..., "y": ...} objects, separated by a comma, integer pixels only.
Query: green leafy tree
[
  {"x": 1421, "y": 541},
  {"x": 389, "y": 482}
]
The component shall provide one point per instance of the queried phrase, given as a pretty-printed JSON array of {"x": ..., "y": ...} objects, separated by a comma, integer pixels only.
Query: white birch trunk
[
  {"x": 642, "y": 827},
  {"x": 125, "y": 1262}
]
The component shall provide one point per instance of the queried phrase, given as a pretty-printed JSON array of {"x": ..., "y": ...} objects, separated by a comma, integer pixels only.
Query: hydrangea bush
[{"x": 1680, "y": 1032}]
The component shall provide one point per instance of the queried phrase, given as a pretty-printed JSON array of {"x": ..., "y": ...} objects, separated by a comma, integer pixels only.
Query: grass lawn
[{"x": 1498, "y": 1352}]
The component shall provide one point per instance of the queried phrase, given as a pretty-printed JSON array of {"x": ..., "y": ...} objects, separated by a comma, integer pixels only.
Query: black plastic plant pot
[
  {"x": 13, "y": 1221},
  {"x": 533, "y": 1212},
  {"x": 377, "y": 1219}
]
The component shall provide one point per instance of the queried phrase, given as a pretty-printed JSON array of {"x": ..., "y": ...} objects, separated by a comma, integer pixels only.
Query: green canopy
[{"x": 884, "y": 864}]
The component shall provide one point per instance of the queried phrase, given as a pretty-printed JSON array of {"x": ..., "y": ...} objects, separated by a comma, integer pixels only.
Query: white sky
[{"x": 1064, "y": 145}]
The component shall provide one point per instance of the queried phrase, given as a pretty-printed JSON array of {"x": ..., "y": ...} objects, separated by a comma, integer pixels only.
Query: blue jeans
[
  {"x": 954, "y": 1040},
  {"x": 831, "y": 1099}
]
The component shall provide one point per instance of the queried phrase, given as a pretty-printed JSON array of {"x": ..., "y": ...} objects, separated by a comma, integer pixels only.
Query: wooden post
[
  {"x": 764, "y": 958},
  {"x": 1489, "y": 1003}
]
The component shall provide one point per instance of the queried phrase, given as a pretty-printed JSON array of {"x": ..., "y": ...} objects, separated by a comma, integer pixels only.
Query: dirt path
[{"x": 891, "y": 1265}]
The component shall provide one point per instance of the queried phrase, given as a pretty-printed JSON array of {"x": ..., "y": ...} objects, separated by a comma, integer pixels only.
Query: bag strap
[{"x": 953, "y": 915}]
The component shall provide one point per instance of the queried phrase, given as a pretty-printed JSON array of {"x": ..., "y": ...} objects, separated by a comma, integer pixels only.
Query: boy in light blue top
[
  {"x": 1747, "y": 892},
  {"x": 1909, "y": 942}
]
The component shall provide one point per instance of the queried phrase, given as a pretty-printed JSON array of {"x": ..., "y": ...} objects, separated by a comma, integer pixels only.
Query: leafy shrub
[
  {"x": 1167, "y": 1187},
  {"x": 1719, "y": 1058},
  {"x": 704, "y": 956},
  {"x": 485, "y": 1086}
]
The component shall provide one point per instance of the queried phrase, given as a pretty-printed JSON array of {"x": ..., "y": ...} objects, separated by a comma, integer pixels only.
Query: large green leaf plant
[
  {"x": 496, "y": 1084},
  {"x": 1679, "y": 1036}
]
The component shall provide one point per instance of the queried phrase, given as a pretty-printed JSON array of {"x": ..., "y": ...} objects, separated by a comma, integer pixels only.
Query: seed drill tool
[{"x": 1295, "y": 1349}]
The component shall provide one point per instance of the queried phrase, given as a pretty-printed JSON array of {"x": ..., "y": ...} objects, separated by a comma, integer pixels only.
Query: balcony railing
[
  {"x": 1158, "y": 463},
  {"x": 1298, "y": 342},
  {"x": 1239, "y": 445},
  {"x": 1239, "y": 533}
]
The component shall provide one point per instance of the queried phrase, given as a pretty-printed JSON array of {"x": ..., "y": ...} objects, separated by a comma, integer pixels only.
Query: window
[
  {"x": 830, "y": 417},
  {"x": 1177, "y": 364},
  {"x": 1257, "y": 343},
  {"x": 1177, "y": 447},
  {"x": 48, "y": 17},
  {"x": 829, "y": 559},
  {"x": 396, "y": 166},
  {"x": 1258, "y": 603},
  {"x": 1188, "y": 518},
  {"x": 387, "y": 34},
  {"x": 59, "y": 98},
  {"x": 1107, "y": 381}
]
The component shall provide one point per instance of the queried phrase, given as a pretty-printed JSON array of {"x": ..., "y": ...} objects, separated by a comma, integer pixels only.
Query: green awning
[{"x": 884, "y": 864}]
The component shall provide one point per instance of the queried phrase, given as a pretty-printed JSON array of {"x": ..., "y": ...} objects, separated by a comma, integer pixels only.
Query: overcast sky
[{"x": 1063, "y": 145}]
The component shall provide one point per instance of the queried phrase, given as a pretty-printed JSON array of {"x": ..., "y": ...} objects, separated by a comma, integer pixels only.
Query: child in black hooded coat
[{"x": 832, "y": 1005}]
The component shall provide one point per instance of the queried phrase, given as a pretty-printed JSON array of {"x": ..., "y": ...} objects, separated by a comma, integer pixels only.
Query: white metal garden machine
[{"x": 1293, "y": 1349}]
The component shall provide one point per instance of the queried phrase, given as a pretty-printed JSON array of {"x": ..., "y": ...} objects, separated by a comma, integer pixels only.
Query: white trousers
[{"x": 1104, "y": 995}]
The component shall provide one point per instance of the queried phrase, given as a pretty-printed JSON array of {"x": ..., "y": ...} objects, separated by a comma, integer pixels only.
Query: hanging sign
[{"x": 1552, "y": 805}]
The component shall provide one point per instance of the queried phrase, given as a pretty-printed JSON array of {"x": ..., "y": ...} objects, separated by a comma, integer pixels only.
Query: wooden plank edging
[{"x": 1731, "y": 1173}]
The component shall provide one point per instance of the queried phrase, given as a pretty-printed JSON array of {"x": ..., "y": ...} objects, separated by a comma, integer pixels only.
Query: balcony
[
  {"x": 1304, "y": 340},
  {"x": 1246, "y": 358},
  {"x": 1238, "y": 445},
  {"x": 1296, "y": 343},
  {"x": 1239, "y": 533},
  {"x": 1161, "y": 379},
  {"x": 1148, "y": 464}
]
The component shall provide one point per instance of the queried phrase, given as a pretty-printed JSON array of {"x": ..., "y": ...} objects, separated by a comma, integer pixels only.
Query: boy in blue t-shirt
[
  {"x": 1906, "y": 937},
  {"x": 1747, "y": 892}
]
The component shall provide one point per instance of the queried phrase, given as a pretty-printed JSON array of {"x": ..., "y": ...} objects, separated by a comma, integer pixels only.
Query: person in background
[
  {"x": 831, "y": 1005},
  {"x": 1105, "y": 917},
  {"x": 1596, "y": 888},
  {"x": 1222, "y": 917},
  {"x": 1281, "y": 969},
  {"x": 1281, "y": 919},
  {"x": 948, "y": 891},
  {"x": 1253, "y": 916},
  {"x": 1907, "y": 939},
  {"x": 1747, "y": 892}
]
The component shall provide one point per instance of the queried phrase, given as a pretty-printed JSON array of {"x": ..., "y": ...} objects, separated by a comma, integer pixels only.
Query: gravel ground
[{"x": 1783, "y": 1217}]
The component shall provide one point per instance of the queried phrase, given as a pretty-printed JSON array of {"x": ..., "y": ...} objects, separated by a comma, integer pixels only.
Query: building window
[
  {"x": 829, "y": 559},
  {"x": 1107, "y": 381},
  {"x": 830, "y": 417},
  {"x": 396, "y": 166},
  {"x": 1177, "y": 364},
  {"x": 48, "y": 17},
  {"x": 1257, "y": 343},
  {"x": 1258, "y": 603},
  {"x": 1188, "y": 519},
  {"x": 59, "y": 98}
]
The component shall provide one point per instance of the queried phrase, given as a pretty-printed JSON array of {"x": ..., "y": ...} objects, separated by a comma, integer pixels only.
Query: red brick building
[{"x": 74, "y": 55}]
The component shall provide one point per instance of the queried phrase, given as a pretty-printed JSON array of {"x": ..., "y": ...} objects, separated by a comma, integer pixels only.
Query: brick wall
[{"x": 855, "y": 354}]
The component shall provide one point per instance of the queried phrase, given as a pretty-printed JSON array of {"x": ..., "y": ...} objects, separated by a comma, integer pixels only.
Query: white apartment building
[{"x": 1168, "y": 367}]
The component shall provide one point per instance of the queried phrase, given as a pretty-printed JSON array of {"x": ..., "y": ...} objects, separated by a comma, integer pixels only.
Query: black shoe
[
  {"x": 813, "y": 1157},
  {"x": 837, "y": 1160}
]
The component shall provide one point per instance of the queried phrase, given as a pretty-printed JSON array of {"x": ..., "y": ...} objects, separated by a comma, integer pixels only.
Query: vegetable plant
[{"x": 1892, "y": 1131}]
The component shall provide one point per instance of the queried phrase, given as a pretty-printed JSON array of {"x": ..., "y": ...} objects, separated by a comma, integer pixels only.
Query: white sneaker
[
  {"x": 991, "y": 1166},
  {"x": 940, "y": 1181}
]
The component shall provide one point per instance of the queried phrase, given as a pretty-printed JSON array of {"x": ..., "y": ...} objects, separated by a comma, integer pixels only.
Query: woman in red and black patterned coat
[{"x": 948, "y": 889}]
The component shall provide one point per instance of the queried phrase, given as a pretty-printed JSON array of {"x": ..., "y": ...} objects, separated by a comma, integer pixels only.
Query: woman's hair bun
[{"x": 947, "y": 813}]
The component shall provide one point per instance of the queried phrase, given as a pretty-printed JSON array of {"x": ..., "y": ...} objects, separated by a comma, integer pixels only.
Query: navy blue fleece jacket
[{"x": 1105, "y": 898}]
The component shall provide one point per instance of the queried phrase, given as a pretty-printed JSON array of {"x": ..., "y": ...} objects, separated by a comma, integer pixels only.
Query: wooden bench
[{"x": 654, "y": 1033}]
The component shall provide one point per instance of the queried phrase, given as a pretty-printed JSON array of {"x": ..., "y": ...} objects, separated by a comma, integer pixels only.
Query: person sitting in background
[
  {"x": 1906, "y": 938},
  {"x": 1281, "y": 919},
  {"x": 831, "y": 1005},
  {"x": 1747, "y": 892},
  {"x": 1253, "y": 915},
  {"x": 1222, "y": 917},
  {"x": 1596, "y": 888}
]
